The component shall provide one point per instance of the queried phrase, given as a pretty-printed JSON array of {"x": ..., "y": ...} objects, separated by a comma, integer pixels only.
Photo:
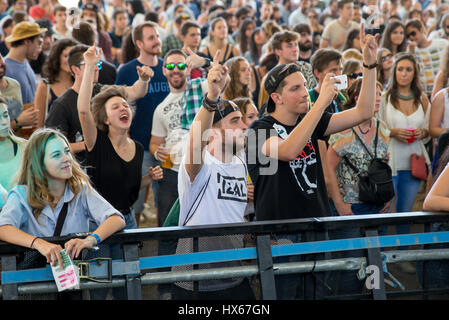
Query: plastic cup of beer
[{"x": 167, "y": 164}]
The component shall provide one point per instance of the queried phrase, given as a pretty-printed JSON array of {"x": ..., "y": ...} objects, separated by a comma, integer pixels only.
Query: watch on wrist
[
  {"x": 207, "y": 64},
  {"x": 210, "y": 106}
]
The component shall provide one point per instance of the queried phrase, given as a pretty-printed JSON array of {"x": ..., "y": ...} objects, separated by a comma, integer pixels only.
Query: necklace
[
  {"x": 409, "y": 97},
  {"x": 366, "y": 130}
]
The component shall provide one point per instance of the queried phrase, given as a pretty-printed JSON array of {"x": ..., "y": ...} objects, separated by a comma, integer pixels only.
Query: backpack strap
[
  {"x": 196, "y": 203},
  {"x": 61, "y": 219},
  {"x": 364, "y": 145}
]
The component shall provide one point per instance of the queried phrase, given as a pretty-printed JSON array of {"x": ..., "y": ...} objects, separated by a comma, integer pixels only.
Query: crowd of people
[{"x": 231, "y": 109}]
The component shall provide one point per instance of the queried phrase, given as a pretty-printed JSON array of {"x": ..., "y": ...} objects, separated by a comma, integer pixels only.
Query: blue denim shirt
[{"x": 87, "y": 205}]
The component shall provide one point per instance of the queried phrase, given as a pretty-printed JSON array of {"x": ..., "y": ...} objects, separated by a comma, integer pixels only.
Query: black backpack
[{"x": 375, "y": 185}]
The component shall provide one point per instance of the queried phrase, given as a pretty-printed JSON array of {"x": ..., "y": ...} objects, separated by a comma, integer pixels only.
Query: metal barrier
[{"x": 135, "y": 271}]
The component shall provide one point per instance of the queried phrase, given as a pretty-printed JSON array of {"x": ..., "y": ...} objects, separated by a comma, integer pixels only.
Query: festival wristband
[{"x": 96, "y": 237}]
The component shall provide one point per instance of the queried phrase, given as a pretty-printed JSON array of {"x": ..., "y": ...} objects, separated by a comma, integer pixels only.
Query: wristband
[
  {"x": 18, "y": 125},
  {"x": 372, "y": 66},
  {"x": 96, "y": 237}
]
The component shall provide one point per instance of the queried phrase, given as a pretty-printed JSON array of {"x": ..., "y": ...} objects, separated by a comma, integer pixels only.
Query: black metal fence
[{"x": 260, "y": 252}]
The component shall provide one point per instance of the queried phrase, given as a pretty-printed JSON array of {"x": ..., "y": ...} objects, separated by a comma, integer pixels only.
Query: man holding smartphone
[{"x": 289, "y": 136}]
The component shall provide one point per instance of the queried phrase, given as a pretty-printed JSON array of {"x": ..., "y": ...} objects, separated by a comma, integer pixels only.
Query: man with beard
[
  {"x": 304, "y": 42},
  {"x": 146, "y": 37},
  {"x": 300, "y": 14},
  {"x": 10, "y": 90},
  {"x": 213, "y": 186}
]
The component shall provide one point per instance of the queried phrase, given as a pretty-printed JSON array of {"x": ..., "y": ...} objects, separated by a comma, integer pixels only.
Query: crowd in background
[{"x": 143, "y": 65}]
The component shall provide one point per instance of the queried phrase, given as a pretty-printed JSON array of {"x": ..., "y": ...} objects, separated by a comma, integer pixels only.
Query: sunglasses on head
[
  {"x": 171, "y": 66},
  {"x": 354, "y": 75},
  {"x": 385, "y": 58},
  {"x": 99, "y": 64},
  {"x": 411, "y": 34}
]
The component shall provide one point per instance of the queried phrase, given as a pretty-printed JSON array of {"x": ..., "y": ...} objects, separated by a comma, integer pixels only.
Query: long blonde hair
[{"x": 34, "y": 175}]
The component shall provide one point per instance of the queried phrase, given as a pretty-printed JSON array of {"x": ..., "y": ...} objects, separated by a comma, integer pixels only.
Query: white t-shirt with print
[{"x": 224, "y": 201}]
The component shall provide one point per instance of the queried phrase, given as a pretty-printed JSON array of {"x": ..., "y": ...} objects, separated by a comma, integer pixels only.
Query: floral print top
[{"x": 346, "y": 144}]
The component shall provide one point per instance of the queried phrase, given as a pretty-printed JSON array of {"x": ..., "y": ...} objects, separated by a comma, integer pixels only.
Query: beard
[
  {"x": 177, "y": 85},
  {"x": 306, "y": 46}
]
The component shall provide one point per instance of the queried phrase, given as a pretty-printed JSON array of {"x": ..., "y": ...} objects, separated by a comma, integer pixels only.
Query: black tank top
[
  {"x": 117, "y": 180},
  {"x": 226, "y": 58}
]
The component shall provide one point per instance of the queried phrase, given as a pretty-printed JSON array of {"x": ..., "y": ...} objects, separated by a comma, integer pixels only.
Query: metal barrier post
[
  {"x": 133, "y": 283},
  {"x": 10, "y": 291},
  {"x": 374, "y": 258},
  {"x": 266, "y": 272}
]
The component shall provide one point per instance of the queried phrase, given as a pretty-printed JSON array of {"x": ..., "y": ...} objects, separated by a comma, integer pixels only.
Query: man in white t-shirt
[
  {"x": 166, "y": 132},
  {"x": 428, "y": 52},
  {"x": 336, "y": 32},
  {"x": 212, "y": 185}
]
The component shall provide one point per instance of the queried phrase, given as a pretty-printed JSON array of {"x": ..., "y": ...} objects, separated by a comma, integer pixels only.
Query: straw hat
[{"x": 24, "y": 30}]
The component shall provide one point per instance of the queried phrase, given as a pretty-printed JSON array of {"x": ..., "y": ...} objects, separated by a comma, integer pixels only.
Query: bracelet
[
  {"x": 370, "y": 66},
  {"x": 32, "y": 242},
  {"x": 96, "y": 237},
  {"x": 210, "y": 105}
]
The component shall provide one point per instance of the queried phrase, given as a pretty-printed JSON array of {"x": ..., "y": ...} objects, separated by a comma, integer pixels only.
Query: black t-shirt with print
[{"x": 296, "y": 189}]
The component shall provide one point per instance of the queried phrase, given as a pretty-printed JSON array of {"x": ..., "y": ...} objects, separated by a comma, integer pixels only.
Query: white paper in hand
[{"x": 68, "y": 277}]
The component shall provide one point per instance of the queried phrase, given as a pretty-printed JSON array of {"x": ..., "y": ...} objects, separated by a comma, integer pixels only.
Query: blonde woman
[{"x": 49, "y": 180}]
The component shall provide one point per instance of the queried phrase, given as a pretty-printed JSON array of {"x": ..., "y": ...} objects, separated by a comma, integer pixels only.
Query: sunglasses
[
  {"x": 411, "y": 34},
  {"x": 385, "y": 58},
  {"x": 171, "y": 66},
  {"x": 99, "y": 64},
  {"x": 354, "y": 75}
]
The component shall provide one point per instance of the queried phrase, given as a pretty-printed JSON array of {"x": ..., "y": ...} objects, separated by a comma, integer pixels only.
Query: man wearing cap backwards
[
  {"x": 212, "y": 184},
  {"x": 288, "y": 137},
  {"x": 26, "y": 44}
]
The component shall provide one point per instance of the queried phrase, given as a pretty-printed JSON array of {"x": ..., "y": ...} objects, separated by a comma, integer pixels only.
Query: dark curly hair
[{"x": 52, "y": 66}]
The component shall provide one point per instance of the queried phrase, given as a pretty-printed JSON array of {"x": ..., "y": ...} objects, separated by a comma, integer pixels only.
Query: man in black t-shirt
[{"x": 282, "y": 149}]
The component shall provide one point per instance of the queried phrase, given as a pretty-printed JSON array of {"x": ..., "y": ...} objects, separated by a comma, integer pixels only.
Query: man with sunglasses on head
[
  {"x": 63, "y": 114},
  {"x": 427, "y": 52},
  {"x": 288, "y": 136}
]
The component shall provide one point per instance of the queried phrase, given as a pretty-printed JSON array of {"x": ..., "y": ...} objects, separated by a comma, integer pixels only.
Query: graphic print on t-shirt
[
  {"x": 304, "y": 166},
  {"x": 231, "y": 188}
]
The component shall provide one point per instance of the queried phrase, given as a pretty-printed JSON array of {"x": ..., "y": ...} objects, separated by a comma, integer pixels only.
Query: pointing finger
[
  {"x": 362, "y": 32},
  {"x": 216, "y": 60}
]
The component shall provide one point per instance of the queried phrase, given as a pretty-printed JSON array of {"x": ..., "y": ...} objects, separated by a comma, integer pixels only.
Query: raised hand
[
  {"x": 369, "y": 44},
  {"x": 92, "y": 55},
  {"x": 328, "y": 90},
  {"x": 193, "y": 60},
  {"x": 217, "y": 78},
  {"x": 145, "y": 73}
]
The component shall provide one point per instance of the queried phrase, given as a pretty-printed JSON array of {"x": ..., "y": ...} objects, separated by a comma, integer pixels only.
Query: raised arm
[
  {"x": 216, "y": 79},
  {"x": 288, "y": 149},
  {"x": 367, "y": 98},
  {"x": 91, "y": 57}
]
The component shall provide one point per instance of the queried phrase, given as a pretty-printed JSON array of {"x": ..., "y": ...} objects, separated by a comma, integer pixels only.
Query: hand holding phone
[{"x": 343, "y": 82}]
